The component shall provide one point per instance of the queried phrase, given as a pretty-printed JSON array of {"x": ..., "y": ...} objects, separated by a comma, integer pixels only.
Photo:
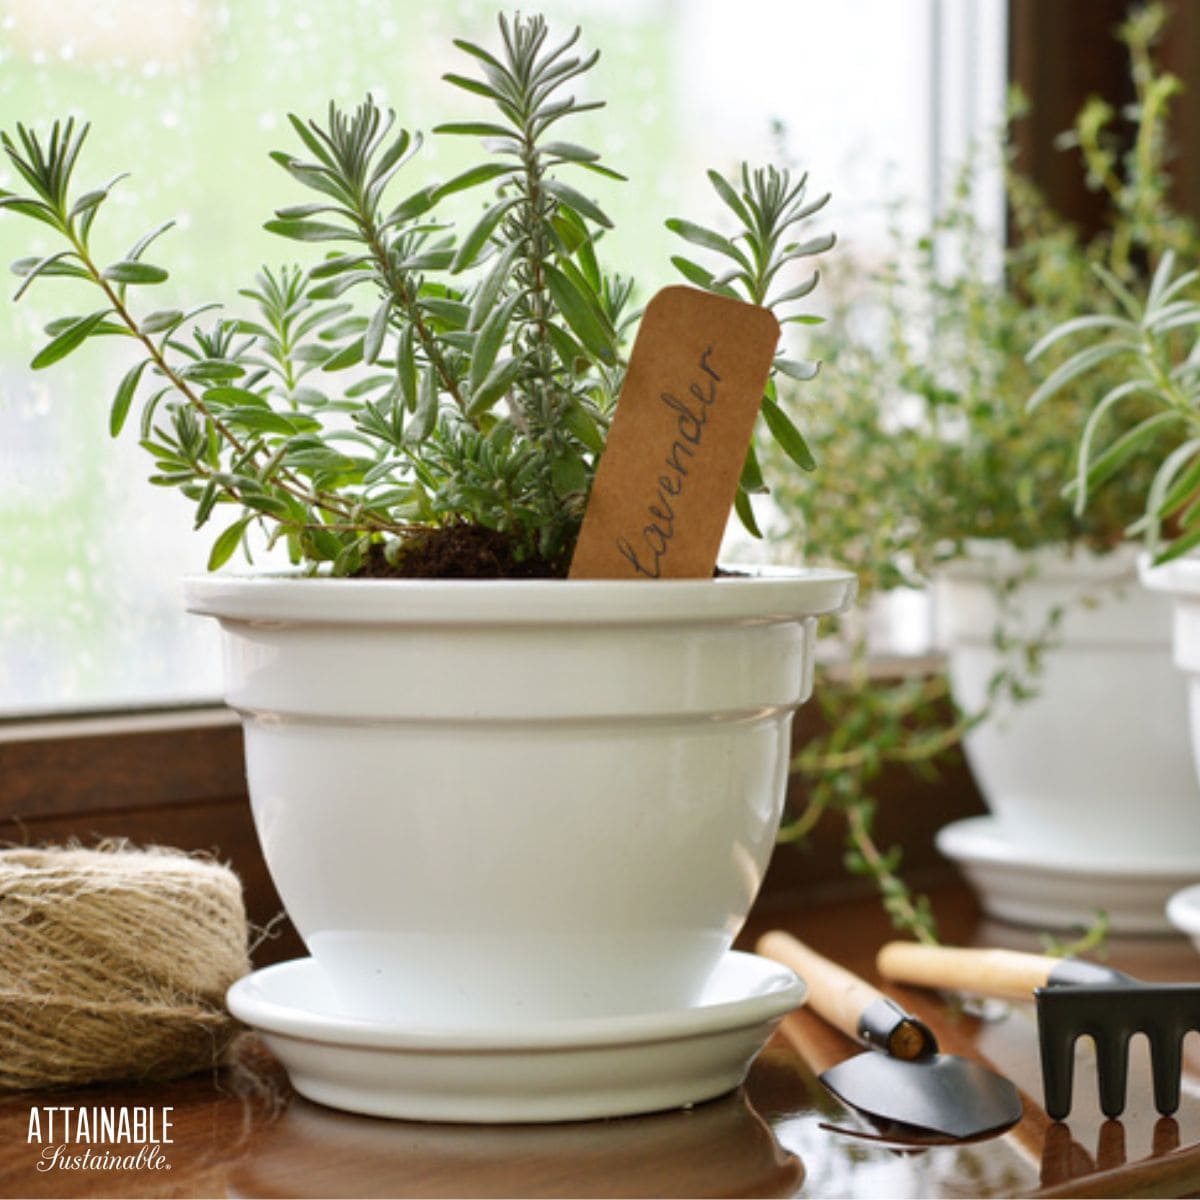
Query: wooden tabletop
[{"x": 244, "y": 1133}]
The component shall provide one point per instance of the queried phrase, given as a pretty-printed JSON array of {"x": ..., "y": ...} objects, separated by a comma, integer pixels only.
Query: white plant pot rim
[
  {"x": 1180, "y": 577},
  {"x": 1059, "y": 561},
  {"x": 761, "y": 594}
]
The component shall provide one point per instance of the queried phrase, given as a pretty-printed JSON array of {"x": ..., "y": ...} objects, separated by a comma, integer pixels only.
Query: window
[{"x": 870, "y": 96}]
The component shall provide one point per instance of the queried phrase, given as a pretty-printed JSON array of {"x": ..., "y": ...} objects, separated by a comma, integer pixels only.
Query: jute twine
[{"x": 114, "y": 963}]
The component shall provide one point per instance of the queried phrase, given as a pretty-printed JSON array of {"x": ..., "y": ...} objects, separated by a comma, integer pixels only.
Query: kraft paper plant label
[{"x": 667, "y": 478}]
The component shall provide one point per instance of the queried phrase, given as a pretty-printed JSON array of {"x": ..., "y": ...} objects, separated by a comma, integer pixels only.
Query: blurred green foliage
[{"x": 921, "y": 429}]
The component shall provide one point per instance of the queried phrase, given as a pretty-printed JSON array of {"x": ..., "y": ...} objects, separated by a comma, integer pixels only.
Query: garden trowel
[{"x": 902, "y": 1078}]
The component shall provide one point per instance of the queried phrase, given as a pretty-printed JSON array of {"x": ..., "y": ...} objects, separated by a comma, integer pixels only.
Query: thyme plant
[
  {"x": 421, "y": 375},
  {"x": 921, "y": 429}
]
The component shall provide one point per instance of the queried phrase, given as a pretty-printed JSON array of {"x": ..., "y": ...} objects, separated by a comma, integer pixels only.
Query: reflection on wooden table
[{"x": 244, "y": 1133}]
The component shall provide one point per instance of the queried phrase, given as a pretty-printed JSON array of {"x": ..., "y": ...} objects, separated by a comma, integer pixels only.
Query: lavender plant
[{"x": 422, "y": 377}]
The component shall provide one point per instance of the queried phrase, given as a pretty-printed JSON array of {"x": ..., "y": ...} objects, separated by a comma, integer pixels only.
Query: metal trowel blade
[{"x": 941, "y": 1093}]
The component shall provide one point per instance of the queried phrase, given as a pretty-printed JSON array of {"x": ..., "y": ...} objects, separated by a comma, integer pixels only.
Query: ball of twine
[{"x": 114, "y": 963}]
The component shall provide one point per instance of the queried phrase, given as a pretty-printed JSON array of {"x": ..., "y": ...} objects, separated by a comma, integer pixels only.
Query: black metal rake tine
[
  {"x": 1056, "y": 1042},
  {"x": 1111, "y": 1015},
  {"x": 1112, "y": 1071},
  {"x": 1166, "y": 1067}
]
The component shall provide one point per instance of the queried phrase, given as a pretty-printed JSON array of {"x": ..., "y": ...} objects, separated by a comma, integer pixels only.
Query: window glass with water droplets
[{"x": 190, "y": 97}]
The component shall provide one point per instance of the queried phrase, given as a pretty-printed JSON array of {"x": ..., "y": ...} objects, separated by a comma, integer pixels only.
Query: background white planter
[
  {"x": 1179, "y": 582},
  {"x": 517, "y": 800},
  {"x": 1095, "y": 768}
]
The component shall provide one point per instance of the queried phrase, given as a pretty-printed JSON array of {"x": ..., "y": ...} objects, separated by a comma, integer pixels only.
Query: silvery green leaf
[
  {"x": 135, "y": 251},
  {"x": 472, "y": 85},
  {"x": 124, "y": 397},
  {"x": 406, "y": 367},
  {"x": 498, "y": 381},
  {"x": 817, "y": 245},
  {"x": 1077, "y": 365},
  {"x": 600, "y": 169},
  {"x": 1106, "y": 464},
  {"x": 311, "y": 231},
  {"x": 471, "y": 246},
  {"x": 1161, "y": 484},
  {"x": 493, "y": 283},
  {"x": 131, "y": 271},
  {"x": 751, "y": 480},
  {"x": 796, "y": 368},
  {"x": 161, "y": 320},
  {"x": 425, "y": 416},
  {"x": 1078, "y": 325},
  {"x": 732, "y": 200},
  {"x": 483, "y": 173},
  {"x": 1179, "y": 547},
  {"x": 310, "y": 139},
  {"x": 694, "y": 273},
  {"x": 745, "y": 512},
  {"x": 580, "y": 315},
  {"x": 576, "y": 200},
  {"x": 473, "y": 129},
  {"x": 414, "y": 206},
  {"x": 709, "y": 239},
  {"x": 569, "y": 152},
  {"x": 72, "y": 335},
  {"x": 335, "y": 287},
  {"x": 52, "y": 264},
  {"x": 1084, "y": 454},
  {"x": 376, "y": 332},
  {"x": 569, "y": 475},
  {"x": 790, "y": 439},
  {"x": 347, "y": 356},
  {"x": 489, "y": 340},
  {"x": 228, "y": 541},
  {"x": 338, "y": 264},
  {"x": 799, "y": 291}
]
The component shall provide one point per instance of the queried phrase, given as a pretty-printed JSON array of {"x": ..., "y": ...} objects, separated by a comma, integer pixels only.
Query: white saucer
[
  {"x": 1049, "y": 889},
  {"x": 550, "y": 1071},
  {"x": 1183, "y": 911}
]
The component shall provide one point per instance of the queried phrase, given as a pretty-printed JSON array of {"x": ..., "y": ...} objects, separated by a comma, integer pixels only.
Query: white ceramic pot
[
  {"x": 517, "y": 800},
  {"x": 1179, "y": 582},
  {"x": 1095, "y": 768}
]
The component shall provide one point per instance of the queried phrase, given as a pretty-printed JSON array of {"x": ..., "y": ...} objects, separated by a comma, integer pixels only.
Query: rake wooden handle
[
  {"x": 1007, "y": 973},
  {"x": 838, "y": 995}
]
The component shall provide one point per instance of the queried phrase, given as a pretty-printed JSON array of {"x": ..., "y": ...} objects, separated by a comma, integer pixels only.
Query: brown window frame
[
  {"x": 1060, "y": 52},
  {"x": 166, "y": 776}
]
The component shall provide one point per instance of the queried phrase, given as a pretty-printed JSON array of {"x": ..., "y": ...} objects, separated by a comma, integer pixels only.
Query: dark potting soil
[
  {"x": 456, "y": 552},
  {"x": 464, "y": 551}
]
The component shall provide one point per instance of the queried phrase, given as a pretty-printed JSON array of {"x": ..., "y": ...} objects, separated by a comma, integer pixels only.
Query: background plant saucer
[
  {"x": 1183, "y": 912},
  {"x": 1048, "y": 888},
  {"x": 546, "y": 1071}
]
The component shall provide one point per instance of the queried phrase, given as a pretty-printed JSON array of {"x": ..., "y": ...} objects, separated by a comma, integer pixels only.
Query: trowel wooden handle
[
  {"x": 1007, "y": 973},
  {"x": 838, "y": 995}
]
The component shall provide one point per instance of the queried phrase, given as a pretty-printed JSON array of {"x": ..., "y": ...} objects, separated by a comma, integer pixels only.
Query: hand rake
[{"x": 1073, "y": 998}]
